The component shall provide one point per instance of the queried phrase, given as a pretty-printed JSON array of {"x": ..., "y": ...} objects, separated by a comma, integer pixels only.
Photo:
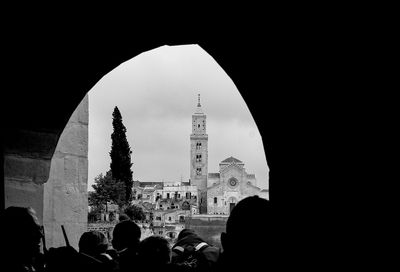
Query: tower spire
[
  {"x": 198, "y": 108},
  {"x": 198, "y": 103}
]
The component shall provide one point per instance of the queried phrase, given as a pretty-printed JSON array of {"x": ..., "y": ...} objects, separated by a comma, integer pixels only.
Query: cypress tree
[{"x": 121, "y": 155}]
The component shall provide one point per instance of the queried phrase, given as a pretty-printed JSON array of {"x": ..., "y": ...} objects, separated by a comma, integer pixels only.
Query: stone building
[
  {"x": 169, "y": 223},
  {"x": 205, "y": 193},
  {"x": 165, "y": 217},
  {"x": 217, "y": 192},
  {"x": 229, "y": 186},
  {"x": 164, "y": 195},
  {"x": 177, "y": 190},
  {"x": 199, "y": 156}
]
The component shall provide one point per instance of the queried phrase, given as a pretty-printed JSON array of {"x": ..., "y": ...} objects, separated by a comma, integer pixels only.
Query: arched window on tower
[
  {"x": 215, "y": 200},
  {"x": 198, "y": 146}
]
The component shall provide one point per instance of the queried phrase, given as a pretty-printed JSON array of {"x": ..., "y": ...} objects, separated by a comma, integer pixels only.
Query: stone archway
[
  {"x": 62, "y": 77},
  {"x": 232, "y": 199}
]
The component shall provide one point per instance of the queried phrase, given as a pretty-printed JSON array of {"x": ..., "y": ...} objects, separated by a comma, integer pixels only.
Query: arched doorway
[{"x": 232, "y": 201}]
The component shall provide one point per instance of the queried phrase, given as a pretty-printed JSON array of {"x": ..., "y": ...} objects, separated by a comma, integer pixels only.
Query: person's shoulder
[
  {"x": 211, "y": 253},
  {"x": 211, "y": 248}
]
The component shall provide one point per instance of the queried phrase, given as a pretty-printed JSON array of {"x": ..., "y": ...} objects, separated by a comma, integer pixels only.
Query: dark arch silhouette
[
  {"x": 50, "y": 74},
  {"x": 292, "y": 69},
  {"x": 282, "y": 68}
]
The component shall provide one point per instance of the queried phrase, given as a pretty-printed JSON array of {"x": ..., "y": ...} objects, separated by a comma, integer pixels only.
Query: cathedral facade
[{"x": 218, "y": 192}]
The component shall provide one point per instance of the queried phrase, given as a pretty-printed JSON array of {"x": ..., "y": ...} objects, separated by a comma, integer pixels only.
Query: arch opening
[{"x": 220, "y": 125}]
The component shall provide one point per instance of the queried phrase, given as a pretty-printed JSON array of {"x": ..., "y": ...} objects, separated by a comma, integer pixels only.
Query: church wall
[
  {"x": 233, "y": 194},
  {"x": 248, "y": 190},
  {"x": 211, "y": 181},
  {"x": 253, "y": 181},
  {"x": 235, "y": 172},
  {"x": 264, "y": 194}
]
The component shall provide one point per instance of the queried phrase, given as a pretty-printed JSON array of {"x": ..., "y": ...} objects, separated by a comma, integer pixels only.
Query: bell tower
[{"x": 199, "y": 156}]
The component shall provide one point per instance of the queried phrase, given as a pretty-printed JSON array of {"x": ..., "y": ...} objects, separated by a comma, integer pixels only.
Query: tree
[
  {"x": 106, "y": 189},
  {"x": 121, "y": 155},
  {"x": 135, "y": 212}
]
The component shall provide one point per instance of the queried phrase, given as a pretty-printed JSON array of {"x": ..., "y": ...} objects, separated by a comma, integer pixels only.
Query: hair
[
  {"x": 123, "y": 217},
  {"x": 184, "y": 233},
  {"x": 126, "y": 234},
  {"x": 93, "y": 243},
  {"x": 155, "y": 250}
]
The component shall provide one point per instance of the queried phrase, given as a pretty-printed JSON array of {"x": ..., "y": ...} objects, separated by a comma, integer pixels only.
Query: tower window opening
[
  {"x": 215, "y": 200},
  {"x": 198, "y": 146}
]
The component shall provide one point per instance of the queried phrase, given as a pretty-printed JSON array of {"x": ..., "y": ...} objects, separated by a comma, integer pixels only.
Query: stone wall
[
  {"x": 65, "y": 193},
  {"x": 24, "y": 194},
  {"x": 27, "y": 155}
]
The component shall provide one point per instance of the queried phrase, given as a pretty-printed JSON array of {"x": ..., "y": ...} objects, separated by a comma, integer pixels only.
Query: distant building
[
  {"x": 206, "y": 200},
  {"x": 205, "y": 193},
  {"x": 229, "y": 186},
  {"x": 219, "y": 192},
  {"x": 177, "y": 191}
]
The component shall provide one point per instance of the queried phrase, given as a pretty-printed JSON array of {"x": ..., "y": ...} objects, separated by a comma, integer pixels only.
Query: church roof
[
  {"x": 213, "y": 175},
  {"x": 231, "y": 159}
]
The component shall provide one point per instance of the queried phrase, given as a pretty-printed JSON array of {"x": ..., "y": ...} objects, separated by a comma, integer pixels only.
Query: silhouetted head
[
  {"x": 126, "y": 234},
  {"x": 154, "y": 252},
  {"x": 21, "y": 233},
  {"x": 123, "y": 217},
  {"x": 185, "y": 232},
  {"x": 93, "y": 243},
  {"x": 247, "y": 228},
  {"x": 188, "y": 237}
]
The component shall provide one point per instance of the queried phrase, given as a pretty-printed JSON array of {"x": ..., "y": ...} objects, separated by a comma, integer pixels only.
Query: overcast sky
[{"x": 156, "y": 93}]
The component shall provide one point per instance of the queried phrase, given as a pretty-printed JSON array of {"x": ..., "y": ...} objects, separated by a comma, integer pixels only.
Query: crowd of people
[{"x": 244, "y": 245}]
